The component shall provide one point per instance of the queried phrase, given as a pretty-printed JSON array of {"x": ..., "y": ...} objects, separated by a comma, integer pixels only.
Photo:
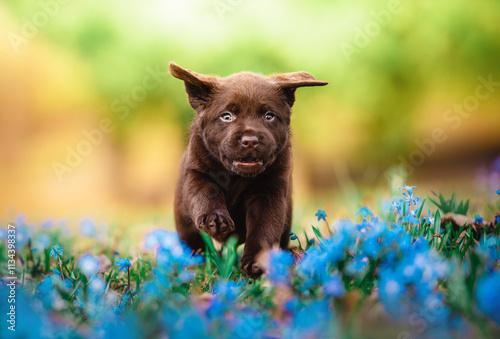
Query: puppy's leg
[
  {"x": 186, "y": 228},
  {"x": 266, "y": 220},
  {"x": 205, "y": 207},
  {"x": 285, "y": 236}
]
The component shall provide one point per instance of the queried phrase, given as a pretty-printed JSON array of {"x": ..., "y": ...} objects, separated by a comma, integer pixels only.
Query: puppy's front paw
[
  {"x": 218, "y": 224},
  {"x": 250, "y": 267}
]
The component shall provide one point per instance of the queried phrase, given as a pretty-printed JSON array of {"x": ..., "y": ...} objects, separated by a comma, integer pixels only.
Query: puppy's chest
[{"x": 238, "y": 191}]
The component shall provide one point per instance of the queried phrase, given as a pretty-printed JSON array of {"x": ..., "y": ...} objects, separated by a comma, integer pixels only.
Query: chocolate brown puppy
[{"x": 236, "y": 174}]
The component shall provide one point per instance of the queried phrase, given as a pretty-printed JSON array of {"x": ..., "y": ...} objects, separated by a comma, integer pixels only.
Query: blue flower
[
  {"x": 429, "y": 219},
  {"x": 409, "y": 189},
  {"x": 365, "y": 211},
  {"x": 407, "y": 196},
  {"x": 279, "y": 266},
  {"x": 42, "y": 242},
  {"x": 321, "y": 215},
  {"x": 334, "y": 286},
  {"x": 312, "y": 320},
  {"x": 497, "y": 219},
  {"x": 410, "y": 218},
  {"x": 185, "y": 276},
  {"x": 87, "y": 228},
  {"x": 358, "y": 266},
  {"x": 124, "y": 264},
  {"x": 371, "y": 246},
  {"x": 56, "y": 272},
  {"x": 174, "y": 255},
  {"x": 97, "y": 286},
  {"x": 478, "y": 220},
  {"x": 56, "y": 250},
  {"x": 294, "y": 237},
  {"x": 229, "y": 290},
  {"x": 397, "y": 205},
  {"x": 362, "y": 228},
  {"x": 498, "y": 192},
  {"x": 88, "y": 264},
  {"x": 488, "y": 296},
  {"x": 47, "y": 224},
  {"x": 247, "y": 323},
  {"x": 391, "y": 288}
]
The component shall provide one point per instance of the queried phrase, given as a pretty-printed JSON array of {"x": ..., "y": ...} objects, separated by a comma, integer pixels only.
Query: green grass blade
[
  {"x": 466, "y": 207},
  {"x": 444, "y": 205},
  {"x": 452, "y": 203},
  {"x": 230, "y": 257},
  {"x": 317, "y": 233},
  {"x": 307, "y": 240},
  {"x": 419, "y": 213},
  {"x": 437, "y": 222},
  {"x": 208, "y": 241},
  {"x": 467, "y": 244}
]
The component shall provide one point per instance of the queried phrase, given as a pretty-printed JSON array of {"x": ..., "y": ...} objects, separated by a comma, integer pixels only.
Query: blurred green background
[{"x": 394, "y": 67}]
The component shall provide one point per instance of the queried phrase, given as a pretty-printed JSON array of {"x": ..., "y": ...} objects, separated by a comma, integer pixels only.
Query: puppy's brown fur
[{"x": 235, "y": 177}]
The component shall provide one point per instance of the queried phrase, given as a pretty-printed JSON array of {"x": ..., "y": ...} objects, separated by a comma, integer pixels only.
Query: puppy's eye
[
  {"x": 269, "y": 117},
  {"x": 227, "y": 117}
]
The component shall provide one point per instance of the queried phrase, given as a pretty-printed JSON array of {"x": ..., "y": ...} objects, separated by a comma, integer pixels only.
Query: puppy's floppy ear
[
  {"x": 289, "y": 82},
  {"x": 199, "y": 87}
]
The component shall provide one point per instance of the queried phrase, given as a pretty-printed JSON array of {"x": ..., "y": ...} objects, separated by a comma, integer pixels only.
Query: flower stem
[
  {"x": 128, "y": 279},
  {"x": 328, "y": 228},
  {"x": 60, "y": 266}
]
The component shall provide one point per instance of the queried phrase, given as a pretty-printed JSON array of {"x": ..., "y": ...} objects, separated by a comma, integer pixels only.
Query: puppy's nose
[{"x": 249, "y": 141}]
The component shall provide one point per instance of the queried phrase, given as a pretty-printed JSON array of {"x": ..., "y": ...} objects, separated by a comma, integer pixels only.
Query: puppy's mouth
[
  {"x": 249, "y": 166},
  {"x": 248, "y": 163}
]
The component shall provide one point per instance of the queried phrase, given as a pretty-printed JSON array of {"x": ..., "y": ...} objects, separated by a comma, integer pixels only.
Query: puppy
[{"x": 235, "y": 177}]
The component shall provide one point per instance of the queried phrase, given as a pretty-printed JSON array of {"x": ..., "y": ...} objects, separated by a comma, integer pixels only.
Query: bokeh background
[{"x": 394, "y": 69}]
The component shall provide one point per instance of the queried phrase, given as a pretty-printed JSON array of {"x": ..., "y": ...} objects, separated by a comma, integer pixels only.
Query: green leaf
[
  {"x": 444, "y": 205},
  {"x": 208, "y": 241},
  {"x": 47, "y": 259},
  {"x": 419, "y": 213},
  {"x": 466, "y": 207},
  {"x": 108, "y": 279},
  {"x": 307, "y": 240},
  {"x": 207, "y": 263},
  {"x": 452, "y": 203},
  {"x": 317, "y": 233},
  {"x": 467, "y": 244},
  {"x": 230, "y": 257},
  {"x": 444, "y": 240},
  {"x": 138, "y": 284},
  {"x": 437, "y": 222}
]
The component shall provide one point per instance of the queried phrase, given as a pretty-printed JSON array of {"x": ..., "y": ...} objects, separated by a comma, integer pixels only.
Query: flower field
[{"x": 422, "y": 268}]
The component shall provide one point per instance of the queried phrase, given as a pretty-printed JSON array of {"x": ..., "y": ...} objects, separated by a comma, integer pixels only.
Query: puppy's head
[{"x": 245, "y": 117}]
